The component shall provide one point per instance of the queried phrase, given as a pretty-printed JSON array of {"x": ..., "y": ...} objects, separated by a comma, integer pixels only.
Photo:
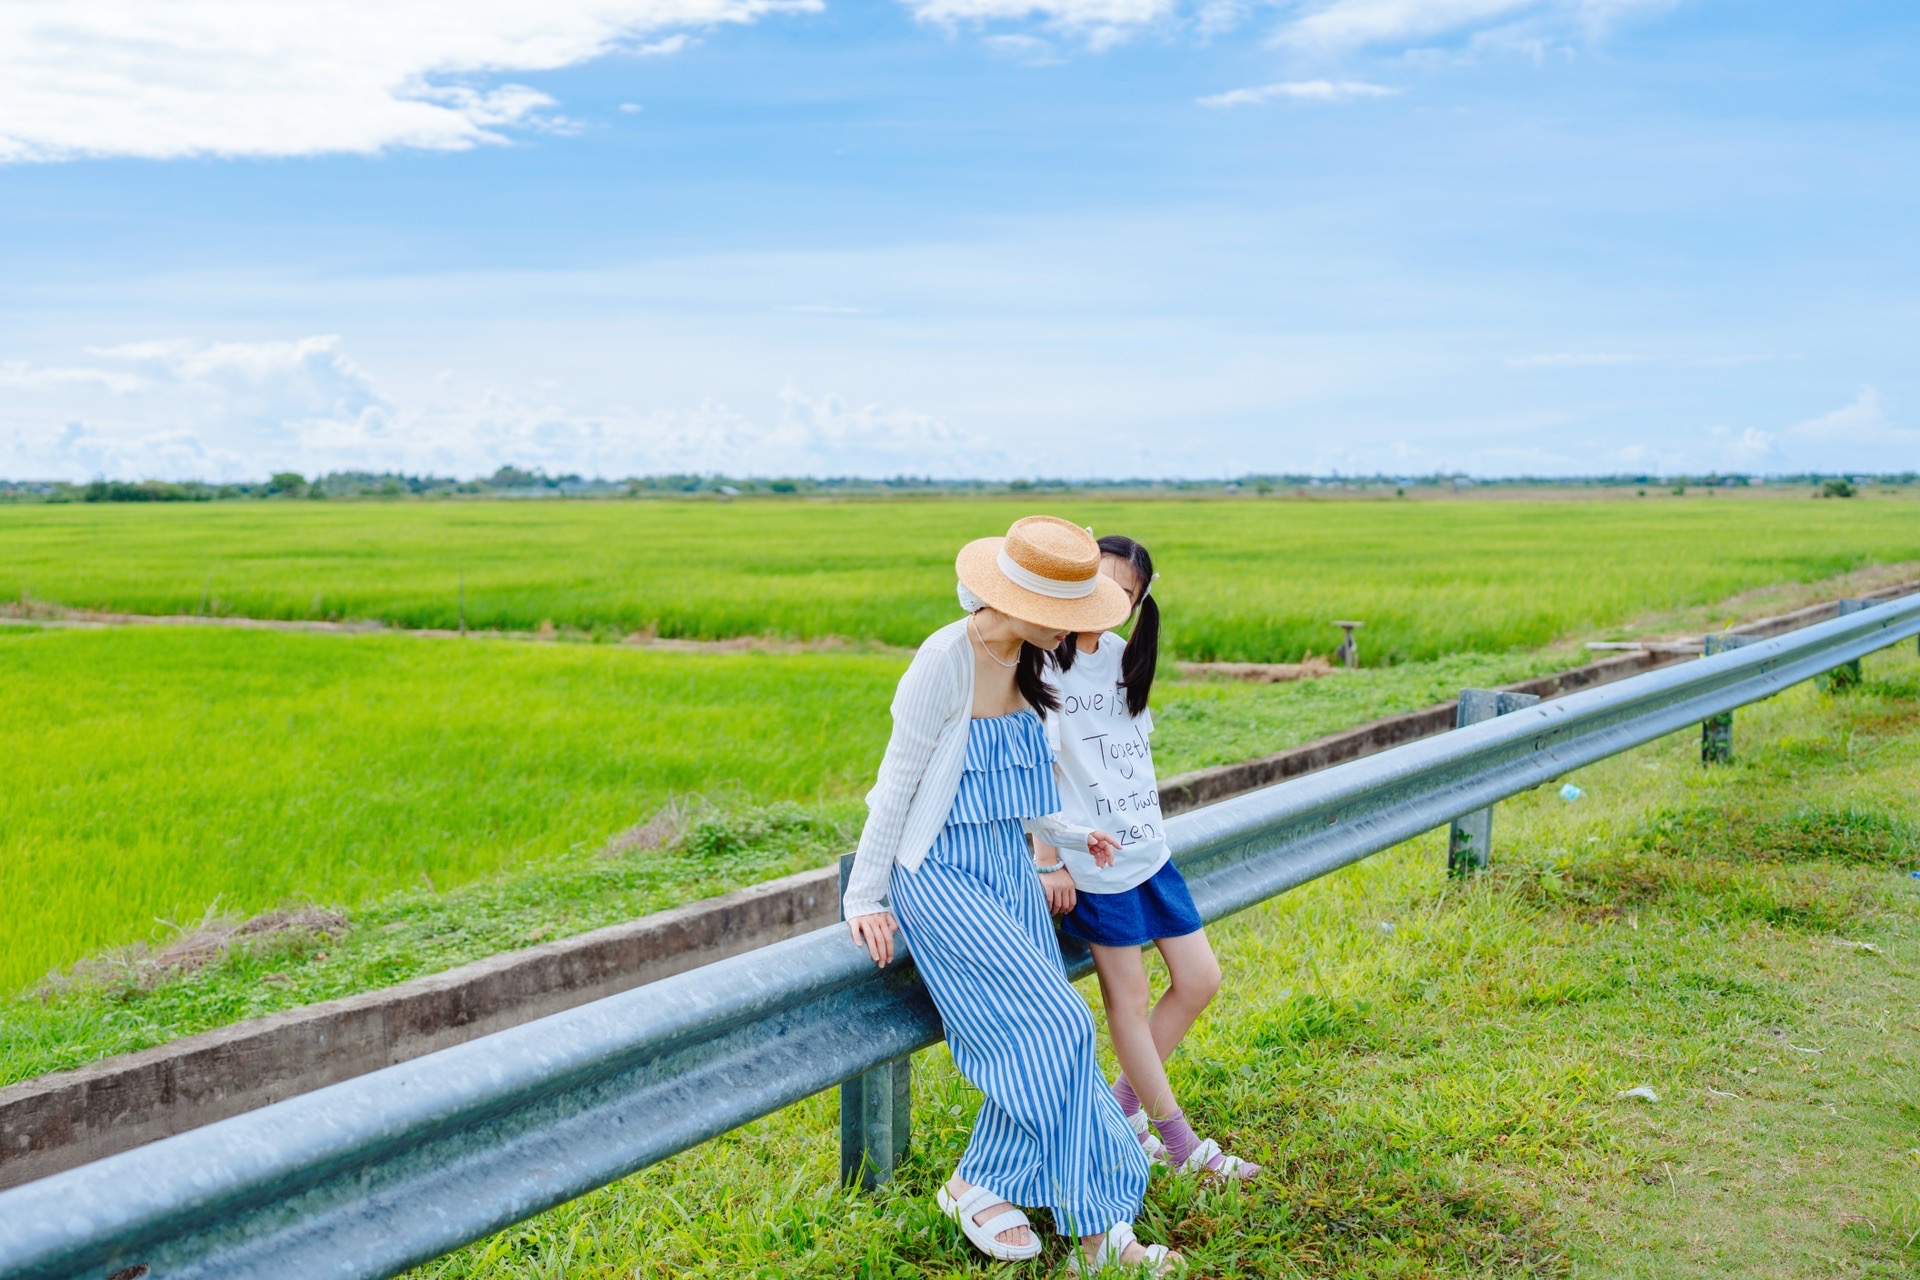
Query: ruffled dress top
[{"x": 1007, "y": 776}]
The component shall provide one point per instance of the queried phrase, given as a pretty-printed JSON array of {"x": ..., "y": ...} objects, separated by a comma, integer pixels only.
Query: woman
[{"x": 967, "y": 774}]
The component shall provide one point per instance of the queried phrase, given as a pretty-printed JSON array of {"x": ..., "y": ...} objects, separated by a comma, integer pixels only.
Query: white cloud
[
  {"x": 1322, "y": 91},
  {"x": 672, "y": 44},
  {"x": 306, "y": 379},
  {"x": 1333, "y": 25},
  {"x": 1101, "y": 23},
  {"x": 306, "y": 77},
  {"x": 18, "y": 375},
  {"x": 1031, "y": 51},
  {"x": 185, "y": 409},
  {"x": 1859, "y": 436}
]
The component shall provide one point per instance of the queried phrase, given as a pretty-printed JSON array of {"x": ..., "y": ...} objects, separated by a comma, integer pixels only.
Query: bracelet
[{"x": 1047, "y": 871}]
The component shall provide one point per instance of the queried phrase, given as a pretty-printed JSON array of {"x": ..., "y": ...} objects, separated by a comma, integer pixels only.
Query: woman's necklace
[{"x": 975, "y": 629}]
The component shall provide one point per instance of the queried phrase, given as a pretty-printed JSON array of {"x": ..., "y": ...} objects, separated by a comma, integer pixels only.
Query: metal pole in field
[
  {"x": 876, "y": 1108},
  {"x": 1716, "y": 732},
  {"x": 1349, "y": 651},
  {"x": 1848, "y": 674},
  {"x": 1470, "y": 841}
]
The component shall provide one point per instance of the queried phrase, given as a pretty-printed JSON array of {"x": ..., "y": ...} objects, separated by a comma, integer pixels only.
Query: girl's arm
[
  {"x": 920, "y": 710},
  {"x": 1054, "y": 829}
]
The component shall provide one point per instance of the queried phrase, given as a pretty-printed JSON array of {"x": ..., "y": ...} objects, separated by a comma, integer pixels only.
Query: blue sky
[{"x": 958, "y": 237}]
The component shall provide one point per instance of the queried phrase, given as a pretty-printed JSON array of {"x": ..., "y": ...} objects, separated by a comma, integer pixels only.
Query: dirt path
[{"x": 1675, "y": 625}]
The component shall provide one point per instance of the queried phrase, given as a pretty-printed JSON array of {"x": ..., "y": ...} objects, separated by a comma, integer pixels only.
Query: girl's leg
[
  {"x": 1124, "y": 991},
  {"x": 1193, "y": 980},
  {"x": 1143, "y": 1040}
]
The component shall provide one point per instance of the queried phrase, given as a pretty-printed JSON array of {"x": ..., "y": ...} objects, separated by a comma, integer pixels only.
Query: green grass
[
  {"x": 121, "y": 1007},
  {"x": 1439, "y": 1097},
  {"x": 1244, "y": 580},
  {"x": 166, "y": 773},
  {"x": 152, "y": 774}
]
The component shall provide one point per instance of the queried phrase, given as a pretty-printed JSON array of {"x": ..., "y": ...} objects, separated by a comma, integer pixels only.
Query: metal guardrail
[{"x": 374, "y": 1175}]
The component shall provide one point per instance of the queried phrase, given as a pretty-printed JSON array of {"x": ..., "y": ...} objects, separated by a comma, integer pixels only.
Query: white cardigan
[{"x": 920, "y": 773}]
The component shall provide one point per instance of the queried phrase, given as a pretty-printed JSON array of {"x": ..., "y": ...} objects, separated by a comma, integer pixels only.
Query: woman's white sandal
[
  {"x": 1200, "y": 1161},
  {"x": 1149, "y": 1142},
  {"x": 1158, "y": 1262},
  {"x": 986, "y": 1235}
]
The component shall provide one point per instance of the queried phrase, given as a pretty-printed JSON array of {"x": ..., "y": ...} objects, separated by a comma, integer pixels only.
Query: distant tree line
[{"x": 516, "y": 482}]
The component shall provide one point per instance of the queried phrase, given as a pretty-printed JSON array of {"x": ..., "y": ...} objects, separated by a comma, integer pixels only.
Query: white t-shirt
[{"x": 1106, "y": 771}]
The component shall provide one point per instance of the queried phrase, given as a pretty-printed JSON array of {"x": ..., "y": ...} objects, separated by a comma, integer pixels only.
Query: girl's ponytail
[{"x": 1142, "y": 654}]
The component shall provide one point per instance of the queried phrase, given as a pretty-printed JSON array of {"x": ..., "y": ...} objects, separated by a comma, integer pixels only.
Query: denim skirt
[{"x": 1158, "y": 907}]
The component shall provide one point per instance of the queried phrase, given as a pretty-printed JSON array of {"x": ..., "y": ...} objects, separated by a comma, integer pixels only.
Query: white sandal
[
  {"x": 1200, "y": 1161},
  {"x": 985, "y": 1235},
  {"x": 1149, "y": 1141},
  {"x": 1119, "y": 1238}
]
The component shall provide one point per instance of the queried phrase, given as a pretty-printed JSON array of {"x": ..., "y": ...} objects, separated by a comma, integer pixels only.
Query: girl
[
  {"x": 967, "y": 774},
  {"x": 1106, "y": 779}
]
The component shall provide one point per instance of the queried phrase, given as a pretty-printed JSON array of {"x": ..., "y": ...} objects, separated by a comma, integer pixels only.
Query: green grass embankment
[{"x": 1433, "y": 1071}]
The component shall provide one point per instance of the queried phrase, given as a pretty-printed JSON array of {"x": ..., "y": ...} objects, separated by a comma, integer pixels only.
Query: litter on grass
[
  {"x": 1570, "y": 793},
  {"x": 1641, "y": 1091}
]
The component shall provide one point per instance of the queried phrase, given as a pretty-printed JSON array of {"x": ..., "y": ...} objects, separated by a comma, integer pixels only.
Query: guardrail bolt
[
  {"x": 1470, "y": 841},
  {"x": 1716, "y": 732},
  {"x": 1349, "y": 650},
  {"x": 876, "y": 1109},
  {"x": 1847, "y": 676}
]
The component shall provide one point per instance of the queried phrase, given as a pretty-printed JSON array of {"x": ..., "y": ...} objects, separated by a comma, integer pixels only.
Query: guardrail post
[
  {"x": 1470, "y": 841},
  {"x": 876, "y": 1109},
  {"x": 1847, "y": 675},
  {"x": 1716, "y": 732}
]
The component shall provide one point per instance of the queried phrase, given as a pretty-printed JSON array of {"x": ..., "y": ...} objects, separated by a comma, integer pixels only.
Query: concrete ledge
[
  {"x": 1205, "y": 786},
  {"x": 68, "y": 1118}
]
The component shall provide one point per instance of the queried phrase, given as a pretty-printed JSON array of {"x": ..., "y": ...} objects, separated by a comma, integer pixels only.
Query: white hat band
[{"x": 1022, "y": 577}]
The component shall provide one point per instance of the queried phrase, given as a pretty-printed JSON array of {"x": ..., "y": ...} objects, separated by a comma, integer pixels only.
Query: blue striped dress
[{"x": 1049, "y": 1132}]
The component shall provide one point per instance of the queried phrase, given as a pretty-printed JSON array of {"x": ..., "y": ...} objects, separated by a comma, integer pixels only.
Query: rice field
[
  {"x": 1244, "y": 580},
  {"x": 160, "y": 773},
  {"x": 152, "y": 775}
]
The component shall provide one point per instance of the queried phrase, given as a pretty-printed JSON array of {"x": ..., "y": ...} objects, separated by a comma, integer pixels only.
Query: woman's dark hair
[
  {"x": 1028, "y": 680},
  {"x": 1142, "y": 653}
]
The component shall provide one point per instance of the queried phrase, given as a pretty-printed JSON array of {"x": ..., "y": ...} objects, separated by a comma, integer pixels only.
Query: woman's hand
[
  {"x": 1061, "y": 894},
  {"x": 874, "y": 931},
  {"x": 1102, "y": 846}
]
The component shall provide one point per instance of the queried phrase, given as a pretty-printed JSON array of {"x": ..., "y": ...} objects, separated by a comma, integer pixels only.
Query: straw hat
[{"x": 1045, "y": 571}]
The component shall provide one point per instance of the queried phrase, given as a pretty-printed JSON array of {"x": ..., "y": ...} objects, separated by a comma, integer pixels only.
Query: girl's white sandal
[
  {"x": 1200, "y": 1160},
  {"x": 985, "y": 1235},
  {"x": 1109, "y": 1254},
  {"x": 1149, "y": 1142}
]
